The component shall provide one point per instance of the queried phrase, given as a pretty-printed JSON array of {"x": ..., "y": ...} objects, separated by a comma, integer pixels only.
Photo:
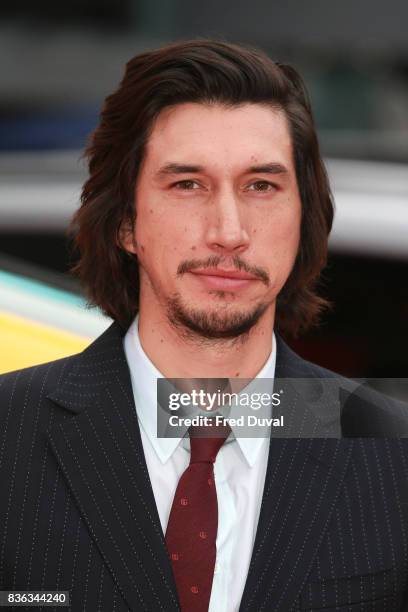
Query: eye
[
  {"x": 262, "y": 186},
  {"x": 188, "y": 185}
]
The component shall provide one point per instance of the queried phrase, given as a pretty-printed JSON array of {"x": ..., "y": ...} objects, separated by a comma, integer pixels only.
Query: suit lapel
[
  {"x": 101, "y": 455},
  {"x": 303, "y": 481}
]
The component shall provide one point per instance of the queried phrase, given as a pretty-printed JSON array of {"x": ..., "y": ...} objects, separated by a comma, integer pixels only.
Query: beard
[{"x": 212, "y": 324}]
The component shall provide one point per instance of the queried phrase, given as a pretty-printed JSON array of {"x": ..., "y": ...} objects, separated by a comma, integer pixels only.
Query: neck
[{"x": 177, "y": 355}]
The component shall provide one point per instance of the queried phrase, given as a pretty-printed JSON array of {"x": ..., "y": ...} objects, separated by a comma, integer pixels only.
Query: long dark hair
[{"x": 203, "y": 71}]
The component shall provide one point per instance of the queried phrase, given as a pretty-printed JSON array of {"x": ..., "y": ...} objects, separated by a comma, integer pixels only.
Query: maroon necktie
[{"x": 192, "y": 528}]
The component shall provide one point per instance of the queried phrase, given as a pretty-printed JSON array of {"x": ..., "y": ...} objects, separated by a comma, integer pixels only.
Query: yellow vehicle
[{"x": 39, "y": 323}]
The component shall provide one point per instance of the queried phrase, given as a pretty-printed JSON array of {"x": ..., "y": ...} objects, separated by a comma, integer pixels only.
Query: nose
[{"x": 226, "y": 230}]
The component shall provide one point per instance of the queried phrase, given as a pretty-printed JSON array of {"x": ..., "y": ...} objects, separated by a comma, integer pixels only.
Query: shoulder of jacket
[{"x": 32, "y": 381}]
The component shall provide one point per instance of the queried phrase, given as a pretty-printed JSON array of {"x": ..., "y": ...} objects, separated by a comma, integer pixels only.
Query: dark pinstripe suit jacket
[{"x": 77, "y": 511}]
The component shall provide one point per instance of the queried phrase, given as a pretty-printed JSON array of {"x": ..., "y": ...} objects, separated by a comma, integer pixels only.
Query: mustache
[{"x": 215, "y": 260}]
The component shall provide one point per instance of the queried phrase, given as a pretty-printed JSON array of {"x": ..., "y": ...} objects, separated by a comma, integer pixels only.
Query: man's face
[{"x": 216, "y": 193}]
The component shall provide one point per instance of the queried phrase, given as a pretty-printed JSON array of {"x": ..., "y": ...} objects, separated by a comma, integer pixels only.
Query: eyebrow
[
  {"x": 176, "y": 168},
  {"x": 271, "y": 168}
]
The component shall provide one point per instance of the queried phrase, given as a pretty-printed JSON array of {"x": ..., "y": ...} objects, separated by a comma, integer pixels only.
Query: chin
[{"x": 213, "y": 323}]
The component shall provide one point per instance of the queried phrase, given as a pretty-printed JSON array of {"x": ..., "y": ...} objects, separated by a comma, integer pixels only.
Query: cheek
[
  {"x": 289, "y": 247},
  {"x": 158, "y": 244},
  {"x": 149, "y": 230},
  {"x": 280, "y": 233},
  {"x": 290, "y": 226},
  {"x": 278, "y": 246},
  {"x": 291, "y": 236}
]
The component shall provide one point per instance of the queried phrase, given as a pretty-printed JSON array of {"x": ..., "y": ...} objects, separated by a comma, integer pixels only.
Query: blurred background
[{"x": 58, "y": 62}]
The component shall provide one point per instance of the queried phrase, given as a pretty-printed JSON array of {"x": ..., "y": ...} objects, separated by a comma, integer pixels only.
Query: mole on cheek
[
  {"x": 151, "y": 210},
  {"x": 142, "y": 247},
  {"x": 193, "y": 248}
]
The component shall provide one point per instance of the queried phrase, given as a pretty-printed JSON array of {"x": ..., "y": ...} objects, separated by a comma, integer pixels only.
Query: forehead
[{"x": 220, "y": 135}]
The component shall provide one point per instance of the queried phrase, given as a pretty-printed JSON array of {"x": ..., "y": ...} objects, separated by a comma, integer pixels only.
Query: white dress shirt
[{"x": 239, "y": 474}]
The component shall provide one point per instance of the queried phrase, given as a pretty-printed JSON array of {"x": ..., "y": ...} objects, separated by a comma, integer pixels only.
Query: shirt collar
[{"x": 144, "y": 375}]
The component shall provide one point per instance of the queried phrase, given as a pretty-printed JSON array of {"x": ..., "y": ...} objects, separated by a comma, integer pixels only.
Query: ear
[{"x": 126, "y": 238}]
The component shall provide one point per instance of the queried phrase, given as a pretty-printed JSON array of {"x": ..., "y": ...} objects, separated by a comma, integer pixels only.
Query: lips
[
  {"x": 224, "y": 280},
  {"x": 236, "y": 274}
]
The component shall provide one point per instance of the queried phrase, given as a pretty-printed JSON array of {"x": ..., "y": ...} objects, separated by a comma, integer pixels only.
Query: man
[{"x": 203, "y": 228}]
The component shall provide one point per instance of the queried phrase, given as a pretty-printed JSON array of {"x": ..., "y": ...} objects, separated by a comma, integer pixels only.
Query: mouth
[{"x": 226, "y": 280}]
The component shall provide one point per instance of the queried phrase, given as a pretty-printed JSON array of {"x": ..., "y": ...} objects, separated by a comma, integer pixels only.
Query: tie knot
[{"x": 206, "y": 441}]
